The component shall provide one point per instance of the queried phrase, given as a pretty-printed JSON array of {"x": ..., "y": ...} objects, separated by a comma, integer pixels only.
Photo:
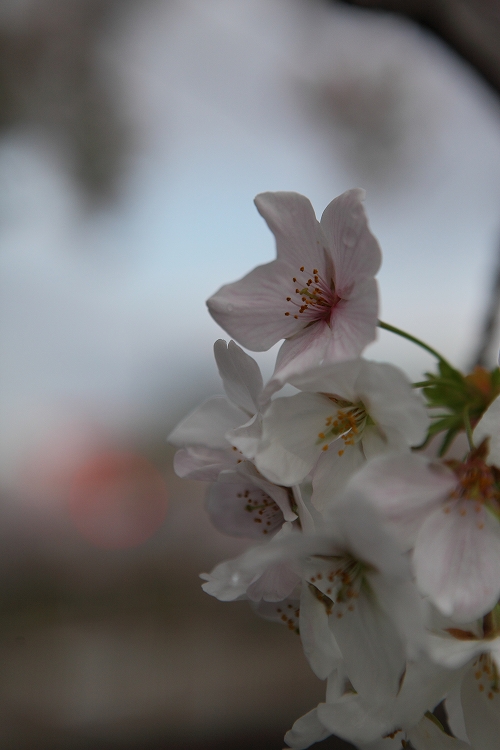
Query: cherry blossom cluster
[{"x": 373, "y": 502}]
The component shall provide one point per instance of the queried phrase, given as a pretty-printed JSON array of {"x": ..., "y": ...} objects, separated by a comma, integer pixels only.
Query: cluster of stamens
[
  {"x": 346, "y": 424},
  {"x": 478, "y": 485},
  {"x": 290, "y": 616},
  {"x": 313, "y": 301},
  {"x": 341, "y": 585},
  {"x": 267, "y": 513},
  {"x": 486, "y": 675}
]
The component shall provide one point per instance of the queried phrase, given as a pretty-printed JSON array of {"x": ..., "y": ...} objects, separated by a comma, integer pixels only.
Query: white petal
[
  {"x": 457, "y": 561},
  {"x": 481, "y": 713},
  {"x": 391, "y": 401},
  {"x": 428, "y": 736},
  {"x": 246, "y": 438},
  {"x": 240, "y": 375},
  {"x": 354, "y": 249},
  {"x": 320, "y": 647},
  {"x": 455, "y": 714},
  {"x": 489, "y": 426},
  {"x": 275, "y": 584},
  {"x": 339, "y": 379},
  {"x": 373, "y": 653},
  {"x": 306, "y": 731},
  {"x": 203, "y": 464},
  {"x": 404, "y": 488},
  {"x": 290, "y": 428},
  {"x": 332, "y": 472},
  {"x": 207, "y": 425}
]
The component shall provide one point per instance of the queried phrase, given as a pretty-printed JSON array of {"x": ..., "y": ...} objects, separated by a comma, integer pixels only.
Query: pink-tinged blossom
[
  {"x": 448, "y": 515},
  {"x": 319, "y": 295}
]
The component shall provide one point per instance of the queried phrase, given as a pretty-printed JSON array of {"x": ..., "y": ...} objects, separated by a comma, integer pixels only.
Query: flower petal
[
  {"x": 207, "y": 425},
  {"x": 354, "y": 321},
  {"x": 291, "y": 218},
  {"x": 354, "y": 249},
  {"x": 240, "y": 375},
  {"x": 404, "y": 488},
  {"x": 457, "y": 561},
  {"x": 489, "y": 426},
  {"x": 306, "y": 731},
  {"x": 290, "y": 446},
  {"x": 252, "y": 310}
]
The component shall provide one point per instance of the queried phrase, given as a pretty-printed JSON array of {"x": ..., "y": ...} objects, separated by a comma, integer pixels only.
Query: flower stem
[{"x": 414, "y": 340}]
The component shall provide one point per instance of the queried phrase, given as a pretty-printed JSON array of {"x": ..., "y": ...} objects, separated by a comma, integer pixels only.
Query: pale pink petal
[
  {"x": 354, "y": 321},
  {"x": 354, "y": 249},
  {"x": 275, "y": 584},
  {"x": 299, "y": 239},
  {"x": 457, "y": 561},
  {"x": 240, "y": 375},
  {"x": 405, "y": 488},
  {"x": 305, "y": 349},
  {"x": 207, "y": 425},
  {"x": 203, "y": 464},
  {"x": 252, "y": 310}
]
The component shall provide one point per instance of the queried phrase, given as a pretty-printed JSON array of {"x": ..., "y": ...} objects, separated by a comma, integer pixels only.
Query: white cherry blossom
[
  {"x": 448, "y": 516},
  {"x": 346, "y": 413}
]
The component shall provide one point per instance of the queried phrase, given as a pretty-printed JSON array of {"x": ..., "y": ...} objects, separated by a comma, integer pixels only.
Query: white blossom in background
[{"x": 385, "y": 561}]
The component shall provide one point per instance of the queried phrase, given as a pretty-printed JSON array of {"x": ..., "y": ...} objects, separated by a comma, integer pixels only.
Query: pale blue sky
[{"x": 104, "y": 318}]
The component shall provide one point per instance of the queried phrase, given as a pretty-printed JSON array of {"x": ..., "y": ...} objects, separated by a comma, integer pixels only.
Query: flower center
[
  {"x": 478, "y": 486},
  {"x": 347, "y": 424},
  {"x": 338, "y": 582},
  {"x": 313, "y": 299},
  {"x": 266, "y": 513}
]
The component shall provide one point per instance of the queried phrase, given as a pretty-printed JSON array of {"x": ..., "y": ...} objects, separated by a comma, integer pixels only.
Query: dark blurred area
[
  {"x": 50, "y": 81},
  {"x": 107, "y": 641}
]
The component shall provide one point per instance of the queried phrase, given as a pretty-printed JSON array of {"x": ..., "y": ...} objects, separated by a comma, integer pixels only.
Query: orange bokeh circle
[{"x": 117, "y": 499}]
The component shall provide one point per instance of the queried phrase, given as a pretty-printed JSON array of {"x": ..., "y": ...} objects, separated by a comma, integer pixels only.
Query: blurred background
[{"x": 134, "y": 135}]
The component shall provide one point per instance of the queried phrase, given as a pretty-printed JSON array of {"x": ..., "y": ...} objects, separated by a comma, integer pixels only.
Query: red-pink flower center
[{"x": 313, "y": 297}]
